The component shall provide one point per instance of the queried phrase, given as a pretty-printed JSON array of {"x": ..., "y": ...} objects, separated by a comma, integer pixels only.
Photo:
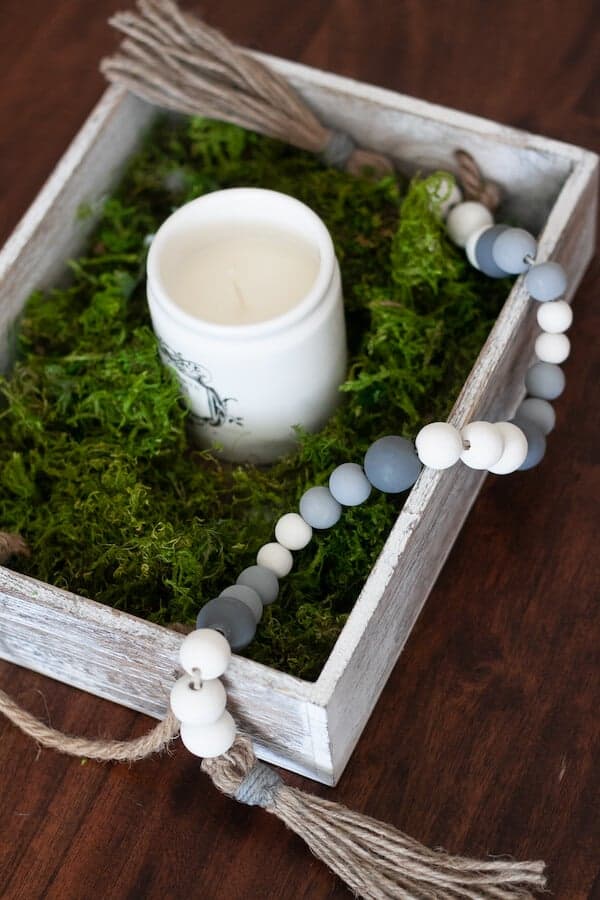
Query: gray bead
[
  {"x": 546, "y": 281},
  {"x": 510, "y": 249},
  {"x": 536, "y": 442},
  {"x": 231, "y": 617},
  {"x": 483, "y": 252},
  {"x": 248, "y": 596},
  {"x": 349, "y": 485},
  {"x": 263, "y": 581},
  {"x": 545, "y": 380},
  {"x": 319, "y": 508},
  {"x": 392, "y": 464}
]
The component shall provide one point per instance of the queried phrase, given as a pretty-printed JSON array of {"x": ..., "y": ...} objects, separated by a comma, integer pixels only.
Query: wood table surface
[{"x": 484, "y": 739}]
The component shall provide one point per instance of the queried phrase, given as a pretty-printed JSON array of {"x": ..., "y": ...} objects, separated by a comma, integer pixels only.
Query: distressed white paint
[{"x": 308, "y": 728}]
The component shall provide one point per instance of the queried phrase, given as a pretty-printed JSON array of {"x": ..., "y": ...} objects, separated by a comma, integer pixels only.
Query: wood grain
[
  {"x": 310, "y": 728},
  {"x": 484, "y": 738}
]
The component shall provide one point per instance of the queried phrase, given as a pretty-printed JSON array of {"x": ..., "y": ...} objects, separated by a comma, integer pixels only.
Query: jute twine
[
  {"x": 177, "y": 61},
  {"x": 180, "y": 63},
  {"x": 375, "y": 860}
]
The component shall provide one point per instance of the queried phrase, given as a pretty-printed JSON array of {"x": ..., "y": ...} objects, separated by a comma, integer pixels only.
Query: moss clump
[{"x": 95, "y": 466}]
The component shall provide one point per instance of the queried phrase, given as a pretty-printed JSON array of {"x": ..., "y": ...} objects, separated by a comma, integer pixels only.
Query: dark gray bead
[
  {"x": 536, "y": 442},
  {"x": 510, "y": 249},
  {"x": 231, "y": 617},
  {"x": 483, "y": 252},
  {"x": 263, "y": 580},
  {"x": 248, "y": 596},
  {"x": 392, "y": 464},
  {"x": 319, "y": 508},
  {"x": 546, "y": 281}
]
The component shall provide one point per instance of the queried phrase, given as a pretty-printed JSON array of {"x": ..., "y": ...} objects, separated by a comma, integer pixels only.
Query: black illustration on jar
[{"x": 198, "y": 382}]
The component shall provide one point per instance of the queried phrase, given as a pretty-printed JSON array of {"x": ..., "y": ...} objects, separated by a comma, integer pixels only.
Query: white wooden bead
[
  {"x": 276, "y": 557},
  {"x": 552, "y": 348},
  {"x": 439, "y": 445},
  {"x": 486, "y": 445},
  {"x": 205, "y": 651},
  {"x": 465, "y": 218},
  {"x": 515, "y": 449},
  {"x": 293, "y": 532},
  {"x": 198, "y": 705},
  {"x": 555, "y": 317},
  {"x": 209, "y": 741},
  {"x": 472, "y": 243},
  {"x": 447, "y": 189}
]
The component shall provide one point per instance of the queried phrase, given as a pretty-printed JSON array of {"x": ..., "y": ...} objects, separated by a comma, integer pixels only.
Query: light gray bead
[
  {"x": 538, "y": 411},
  {"x": 392, "y": 464},
  {"x": 349, "y": 485},
  {"x": 545, "y": 380},
  {"x": 319, "y": 508},
  {"x": 510, "y": 249},
  {"x": 263, "y": 581},
  {"x": 231, "y": 617},
  {"x": 546, "y": 281},
  {"x": 536, "y": 442},
  {"x": 248, "y": 596},
  {"x": 483, "y": 252}
]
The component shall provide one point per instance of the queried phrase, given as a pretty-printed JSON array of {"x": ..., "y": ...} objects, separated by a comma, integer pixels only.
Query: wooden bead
[
  {"x": 293, "y": 532},
  {"x": 546, "y": 281},
  {"x": 486, "y": 445},
  {"x": 439, "y": 445},
  {"x": 545, "y": 380},
  {"x": 552, "y": 348},
  {"x": 248, "y": 596},
  {"x": 349, "y": 485},
  {"x": 262, "y": 580},
  {"x": 231, "y": 617},
  {"x": 205, "y": 651},
  {"x": 555, "y": 316},
  {"x": 513, "y": 250},
  {"x": 276, "y": 557},
  {"x": 209, "y": 741},
  {"x": 444, "y": 195},
  {"x": 319, "y": 508},
  {"x": 198, "y": 705},
  {"x": 391, "y": 464},
  {"x": 465, "y": 218},
  {"x": 472, "y": 244},
  {"x": 515, "y": 449},
  {"x": 538, "y": 411}
]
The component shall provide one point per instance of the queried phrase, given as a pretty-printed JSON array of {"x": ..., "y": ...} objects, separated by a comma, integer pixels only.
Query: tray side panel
[
  {"x": 422, "y": 136},
  {"x": 435, "y": 510},
  {"x": 52, "y": 231},
  {"x": 308, "y": 728},
  {"x": 134, "y": 663}
]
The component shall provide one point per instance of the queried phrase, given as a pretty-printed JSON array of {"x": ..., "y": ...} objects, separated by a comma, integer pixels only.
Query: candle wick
[{"x": 238, "y": 290}]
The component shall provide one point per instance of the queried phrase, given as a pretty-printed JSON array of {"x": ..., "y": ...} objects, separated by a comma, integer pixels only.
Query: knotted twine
[
  {"x": 375, "y": 860},
  {"x": 178, "y": 62}
]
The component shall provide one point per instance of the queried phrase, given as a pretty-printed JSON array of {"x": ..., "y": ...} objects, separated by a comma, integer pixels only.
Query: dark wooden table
[{"x": 484, "y": 738}]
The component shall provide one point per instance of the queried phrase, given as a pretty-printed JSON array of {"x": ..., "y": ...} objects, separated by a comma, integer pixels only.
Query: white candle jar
[{"x": 270, "y": 353}]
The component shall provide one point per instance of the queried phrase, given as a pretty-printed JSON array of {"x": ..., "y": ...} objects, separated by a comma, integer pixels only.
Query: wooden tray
[{"x": 311, "y": 728}]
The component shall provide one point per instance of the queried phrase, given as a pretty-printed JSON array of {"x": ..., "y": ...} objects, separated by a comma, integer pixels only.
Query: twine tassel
[
  {"x": 375, "y": 860},
  {"x": 177, "y": 61}
]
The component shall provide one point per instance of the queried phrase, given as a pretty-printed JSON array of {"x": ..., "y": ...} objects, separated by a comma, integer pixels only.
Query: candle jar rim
[{"x": 263, "y": 203}]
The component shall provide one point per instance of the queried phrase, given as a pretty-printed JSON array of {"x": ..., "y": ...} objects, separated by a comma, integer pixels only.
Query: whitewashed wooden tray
[{"x": 309, "y": 728}]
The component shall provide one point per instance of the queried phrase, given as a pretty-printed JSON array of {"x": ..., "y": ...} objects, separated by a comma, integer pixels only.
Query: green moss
[{"x": 95, "y": 467}]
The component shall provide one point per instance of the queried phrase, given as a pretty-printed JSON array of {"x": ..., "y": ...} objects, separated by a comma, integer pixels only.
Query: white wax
[{"x": 239, "y": 274}]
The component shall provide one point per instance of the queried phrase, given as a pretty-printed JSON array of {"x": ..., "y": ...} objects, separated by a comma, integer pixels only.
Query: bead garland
[{"x": 392, "y": 465}]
